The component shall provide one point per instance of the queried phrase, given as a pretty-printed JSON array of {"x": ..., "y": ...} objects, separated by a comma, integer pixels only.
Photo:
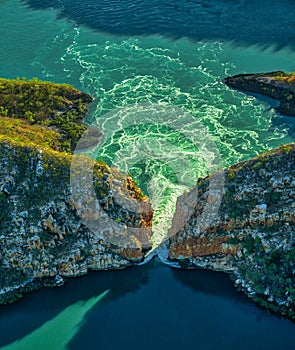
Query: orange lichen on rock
[
  {"x": 202, "y": 246},
  {"x": 131, "y": 254}
]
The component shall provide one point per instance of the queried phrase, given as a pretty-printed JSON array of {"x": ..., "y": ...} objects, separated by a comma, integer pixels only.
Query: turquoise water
[
  {"x": 120, "y": 71},
  {"x": 148, "y": 74},
  {"x": 67, "y": 322}
]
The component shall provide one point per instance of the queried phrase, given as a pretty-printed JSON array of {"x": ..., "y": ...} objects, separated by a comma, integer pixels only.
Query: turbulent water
[
  {"x": 155, "y": 69},
  {"x": 124, "y": 70}
]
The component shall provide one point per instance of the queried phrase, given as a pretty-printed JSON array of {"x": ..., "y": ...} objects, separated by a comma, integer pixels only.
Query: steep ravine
[{"x": 248, "y": 229}]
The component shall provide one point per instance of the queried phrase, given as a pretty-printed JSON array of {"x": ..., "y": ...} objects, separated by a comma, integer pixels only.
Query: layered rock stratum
[
  {"x": 240, "y": 221},
  {"x": 250, "y": 229},
  {"x": 251, "y": 232}
]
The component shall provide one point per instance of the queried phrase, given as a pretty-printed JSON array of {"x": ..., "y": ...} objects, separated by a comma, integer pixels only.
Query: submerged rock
[
  {"x": 278, "y": 85},
  {"x": 252, "y": 234}
]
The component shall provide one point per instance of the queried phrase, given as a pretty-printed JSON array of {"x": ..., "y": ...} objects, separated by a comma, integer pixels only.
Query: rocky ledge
[
  {"x": 45, "y": 236},
  {"x": 250, "y": 233},
  {"x": 277, "y": 85}
]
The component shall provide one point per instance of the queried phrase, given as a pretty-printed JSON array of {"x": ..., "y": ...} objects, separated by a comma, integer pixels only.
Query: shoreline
[{"x": 276, "y": 85}]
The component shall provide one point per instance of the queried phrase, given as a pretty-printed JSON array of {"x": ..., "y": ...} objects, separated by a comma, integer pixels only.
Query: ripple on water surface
[
  {"x": 122, "y": 71},
  {"x": 128, "y": 72}
]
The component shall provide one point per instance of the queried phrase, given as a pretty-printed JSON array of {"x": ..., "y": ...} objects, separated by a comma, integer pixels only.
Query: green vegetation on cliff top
[
  {"x": 285, "y": 77},
  {"x": 40, "y": 124},
  {"x": 48, "y": 117},
  {"x": 59, "y": 107},
  {"x": 20, "y": 131}
]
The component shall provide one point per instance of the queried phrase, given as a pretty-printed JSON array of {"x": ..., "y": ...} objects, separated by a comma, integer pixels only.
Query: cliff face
[
  {"x": 277, "y": 85},
  {"x": 43, "y": 235},
  {"x": 252, "y": 235}
]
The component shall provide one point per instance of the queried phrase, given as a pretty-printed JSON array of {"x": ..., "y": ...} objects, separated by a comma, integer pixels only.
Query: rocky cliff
[
  {"x": 240, "y": 221},
  {"x": 278, "y": 85},
  {"x": 251, "y": 232},
  {"x": 43, "y": 237}
]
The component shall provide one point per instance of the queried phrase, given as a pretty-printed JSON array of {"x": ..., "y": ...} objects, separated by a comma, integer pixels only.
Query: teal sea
[{"x": 129, "y": 54}]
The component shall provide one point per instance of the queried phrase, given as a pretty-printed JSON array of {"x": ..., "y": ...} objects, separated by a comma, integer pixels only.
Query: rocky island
[{"x": 277, "y": 85}]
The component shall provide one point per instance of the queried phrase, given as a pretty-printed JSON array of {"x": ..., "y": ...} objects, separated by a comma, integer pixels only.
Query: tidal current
[{"x": 162, "y": 54}]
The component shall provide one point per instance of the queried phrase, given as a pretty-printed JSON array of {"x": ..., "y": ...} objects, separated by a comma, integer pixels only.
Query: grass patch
[{"x": 57, "y": 106}]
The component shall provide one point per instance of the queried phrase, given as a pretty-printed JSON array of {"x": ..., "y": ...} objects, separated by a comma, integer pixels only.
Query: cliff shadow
[
  {"x": 287, "y": 122},
  {"x": 210, "y": 283},
  {"x": 279, "y": 120}
]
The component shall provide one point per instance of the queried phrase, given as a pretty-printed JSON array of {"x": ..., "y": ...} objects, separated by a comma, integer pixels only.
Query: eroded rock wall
[
  {"x": 42, "y": 236},
  {"x": 252, "y": 236}
]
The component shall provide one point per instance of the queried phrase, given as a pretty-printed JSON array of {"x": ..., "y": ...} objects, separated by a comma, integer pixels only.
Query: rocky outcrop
[
  {"x": 277, "y": 85},
  {"x": 250, "y": 233},
  {"x": 42, "y": 234},
  {"x": 49, "y": 232}
]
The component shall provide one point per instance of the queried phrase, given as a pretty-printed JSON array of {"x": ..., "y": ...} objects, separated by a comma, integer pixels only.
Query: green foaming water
[{"x": 120, "y": 72}]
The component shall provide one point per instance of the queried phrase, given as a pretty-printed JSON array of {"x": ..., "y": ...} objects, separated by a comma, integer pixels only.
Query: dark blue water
[
  {"x": 247, "y": 22},
  {"x": 147, "y": 307}
]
